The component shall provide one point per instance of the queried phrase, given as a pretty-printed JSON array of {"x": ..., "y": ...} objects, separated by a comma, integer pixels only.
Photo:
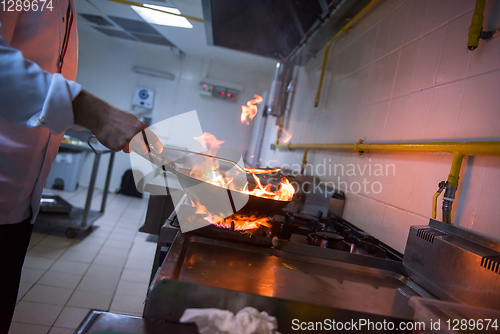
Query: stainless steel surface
[
  {"x": 243, "y": 169},
  {"x": 336, "y": 205},
  {"x": 236, "y": 275},
  {"x": 159, "y": 209},
  {"x": 98, "y": 322},
  {"x": 454, "y": 264}
]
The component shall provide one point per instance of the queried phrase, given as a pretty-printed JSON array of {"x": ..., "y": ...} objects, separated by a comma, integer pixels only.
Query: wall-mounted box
[
  {"x": 206, "y": 88},
  {"x": 220, "y": 89},
  {"x": 144, "y": 97}
]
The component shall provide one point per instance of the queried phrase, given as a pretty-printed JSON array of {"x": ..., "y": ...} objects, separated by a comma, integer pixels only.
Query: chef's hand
[{"x": 114, "y": 128}]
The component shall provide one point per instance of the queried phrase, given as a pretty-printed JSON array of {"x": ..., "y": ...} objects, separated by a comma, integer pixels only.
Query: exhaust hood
[{"x": 285, "y": 30}]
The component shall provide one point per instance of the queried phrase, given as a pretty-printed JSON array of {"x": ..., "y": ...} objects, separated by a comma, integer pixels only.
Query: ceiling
[{"x": 122, "y": 23}]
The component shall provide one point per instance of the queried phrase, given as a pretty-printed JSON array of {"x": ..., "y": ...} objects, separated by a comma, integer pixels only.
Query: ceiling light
[{"x": 160, "y": 15}]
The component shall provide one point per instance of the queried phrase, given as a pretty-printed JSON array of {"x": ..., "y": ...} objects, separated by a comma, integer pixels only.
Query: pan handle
[{"x": 157, "y": 159}]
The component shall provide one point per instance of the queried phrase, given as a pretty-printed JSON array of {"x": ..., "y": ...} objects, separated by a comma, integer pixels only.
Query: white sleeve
[{"x": 33, "y": 97}]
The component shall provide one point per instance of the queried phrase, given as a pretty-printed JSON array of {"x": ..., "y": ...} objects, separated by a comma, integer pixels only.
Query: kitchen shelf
[{"x": 79, "y": 219}]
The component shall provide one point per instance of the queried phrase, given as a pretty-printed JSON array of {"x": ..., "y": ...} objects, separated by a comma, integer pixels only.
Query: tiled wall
[{"x": 403, "y": 74}]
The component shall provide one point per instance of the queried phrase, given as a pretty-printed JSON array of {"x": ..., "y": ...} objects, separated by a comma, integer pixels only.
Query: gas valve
[{"x": 441, "y": 186}]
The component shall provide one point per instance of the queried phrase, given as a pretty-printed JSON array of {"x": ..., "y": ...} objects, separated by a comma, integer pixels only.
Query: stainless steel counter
[
  {"x": 98, "y": 322},
  {"x": 290, "y": 282}
]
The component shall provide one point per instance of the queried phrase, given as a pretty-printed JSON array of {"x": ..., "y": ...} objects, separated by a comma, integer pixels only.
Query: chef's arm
[
  {"x": 113, "y": 127},
  {"x": 32, "y": 97}
]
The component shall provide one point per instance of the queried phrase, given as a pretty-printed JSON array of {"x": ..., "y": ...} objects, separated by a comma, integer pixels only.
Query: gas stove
[
  {"x": 302, "y": 266},
  {"x": 303, "y": 228}
]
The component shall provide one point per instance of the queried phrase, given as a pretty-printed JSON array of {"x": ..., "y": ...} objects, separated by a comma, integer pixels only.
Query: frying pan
[{"x": 213, "y": 197}]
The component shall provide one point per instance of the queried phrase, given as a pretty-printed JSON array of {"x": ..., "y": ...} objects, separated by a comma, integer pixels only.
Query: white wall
[
  {"x": 402, "y": 74},
  {"x": 105, "y": 69}
]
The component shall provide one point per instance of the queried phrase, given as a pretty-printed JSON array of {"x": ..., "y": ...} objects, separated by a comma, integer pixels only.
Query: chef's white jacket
[{"x": 35, "y": 104}]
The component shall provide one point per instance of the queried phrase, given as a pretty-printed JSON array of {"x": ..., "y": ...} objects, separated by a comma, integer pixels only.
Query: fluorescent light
[
  {"x": 153, "y": 73},
  {"x": 165, "y": 9},
  {"x": 163, "y": 18}
]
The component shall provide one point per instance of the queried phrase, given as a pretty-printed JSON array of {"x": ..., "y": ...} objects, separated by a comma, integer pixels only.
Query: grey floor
[{"x": 106, "y": 268}]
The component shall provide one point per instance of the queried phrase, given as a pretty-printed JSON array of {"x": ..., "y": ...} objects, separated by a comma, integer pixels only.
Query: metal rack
[{"x": 79, "y": 219}]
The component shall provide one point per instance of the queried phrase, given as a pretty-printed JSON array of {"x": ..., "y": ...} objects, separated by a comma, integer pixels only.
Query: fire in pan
[{"x": 226, "y": 192}]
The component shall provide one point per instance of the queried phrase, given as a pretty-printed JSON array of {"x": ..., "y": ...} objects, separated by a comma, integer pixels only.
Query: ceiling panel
[
  {"x": 190, "y": 41},
  {"x": 97, "y": 20},
  {"x": 134, "y": 25},
  {"x": 153, "y": 39},
  {"x": 114, "y": 33}
]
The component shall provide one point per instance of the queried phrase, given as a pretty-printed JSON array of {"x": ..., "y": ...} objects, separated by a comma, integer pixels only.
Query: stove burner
[
  {"x": 333, "y": 233},
  {"x": 328, "y": 240}
]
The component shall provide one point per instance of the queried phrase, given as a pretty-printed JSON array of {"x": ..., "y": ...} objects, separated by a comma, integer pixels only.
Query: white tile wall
[
  {"x": 437, "y": 13},
  {"x": 406, "y": 68},
  {"x": 455, "y": 58},
  {"x": 404, "y": 73},
  {"x": 416, "y": 19}
]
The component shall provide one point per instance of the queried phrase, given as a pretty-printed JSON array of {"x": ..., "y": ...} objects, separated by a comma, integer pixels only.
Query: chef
[{"x": 39, "y": 101}]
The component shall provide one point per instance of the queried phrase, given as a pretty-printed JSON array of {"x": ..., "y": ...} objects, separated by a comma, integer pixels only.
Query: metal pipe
[
  {"x": 274, "y": 93},
  {"x": 459, "y": 150},
  {"x": 342, "y": 31},
  {"x": 455, "y": 169},
  {"x": 304, "y": 161},
  {"x": 90, "y": 192},
  {"x": 451, "y": 187},
  {"x": 472, "y": 148},
  {"x": 108, "y": 181},
  {"x": 288, "y": 106},
  {"x": 476, "y": 25}
]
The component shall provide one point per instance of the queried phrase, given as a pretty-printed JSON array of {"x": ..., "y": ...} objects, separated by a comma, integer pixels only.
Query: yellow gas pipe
[
  {"x": 435, "y": 199},
  {"x": 304, "y": 161},
  {"x": 467, "y": 148},
  {"x": 455, "y": 169},
  {"x": 459, "y": 150},
  {"x": 342, "y": 31},
  {"x": 279, "y": 123},
  {"x": 476, "y": 25}
]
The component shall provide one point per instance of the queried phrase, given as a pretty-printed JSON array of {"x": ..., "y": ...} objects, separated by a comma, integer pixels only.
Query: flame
[
  {"x": 241, "y": 222},
  {"x": 262, "y": 170},
  {"x": 210, "y": 141},
  {"x": 284, "y": 193},
  {"x": 250, "y": 110},
  {"x": 209, "y": 172},
  {"x": 288, "y": 135}
]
